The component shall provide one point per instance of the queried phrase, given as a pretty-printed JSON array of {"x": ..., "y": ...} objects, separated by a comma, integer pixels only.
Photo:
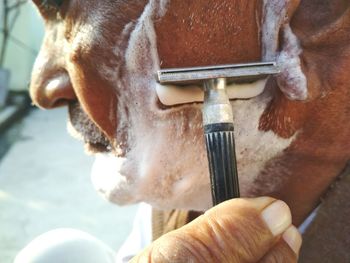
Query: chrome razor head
[{"x": 235, "y": 73}]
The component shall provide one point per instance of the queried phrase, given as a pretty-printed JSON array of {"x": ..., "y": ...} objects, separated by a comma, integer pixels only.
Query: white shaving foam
[
  {"x": 167, "y": 163},
  {"x": 292, "y": 80},
  {"x": 274, "y": 15},
  {"x": 254, "y": 148}
]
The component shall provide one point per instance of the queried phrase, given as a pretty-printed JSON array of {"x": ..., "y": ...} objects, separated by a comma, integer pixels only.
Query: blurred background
[{"x": 44, "y": 174}]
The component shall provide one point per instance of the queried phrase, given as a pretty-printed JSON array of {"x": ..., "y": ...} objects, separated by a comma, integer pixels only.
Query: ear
[
  {"x": 323, "y": 28},
  {"x": 323, "y": 23}
]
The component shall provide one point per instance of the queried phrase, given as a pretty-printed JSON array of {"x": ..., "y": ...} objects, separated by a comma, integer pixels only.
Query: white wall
[{"x": 28, "y": 29}]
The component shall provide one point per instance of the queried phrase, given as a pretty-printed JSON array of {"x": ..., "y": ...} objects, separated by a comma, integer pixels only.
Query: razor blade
[
  {"x": 218, "y": 116},
  {"x": 235, "y": 73}
]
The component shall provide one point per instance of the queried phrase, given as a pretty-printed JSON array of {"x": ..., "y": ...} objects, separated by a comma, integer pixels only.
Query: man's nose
[{"x": 50, "y": 89}]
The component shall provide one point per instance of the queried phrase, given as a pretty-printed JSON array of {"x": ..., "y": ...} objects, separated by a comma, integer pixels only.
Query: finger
[
  {"x": 239, "y": 230},
  {"x": 287, "y": 249}
]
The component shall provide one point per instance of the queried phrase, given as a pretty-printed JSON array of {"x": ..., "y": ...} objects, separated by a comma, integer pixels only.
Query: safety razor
[{"x": 218, "y": 116}]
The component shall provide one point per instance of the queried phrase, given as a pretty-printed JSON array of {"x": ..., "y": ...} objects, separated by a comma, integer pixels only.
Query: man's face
[{"x": 100, "y": 59}]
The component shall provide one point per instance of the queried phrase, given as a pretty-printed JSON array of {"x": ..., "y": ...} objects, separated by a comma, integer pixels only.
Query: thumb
[{"x": 239, "y": 230}]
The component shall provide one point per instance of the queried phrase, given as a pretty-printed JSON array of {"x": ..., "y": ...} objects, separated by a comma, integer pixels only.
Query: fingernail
[
  {"x": 277, "y": 217},
  {"x": 293, "y": 239}
]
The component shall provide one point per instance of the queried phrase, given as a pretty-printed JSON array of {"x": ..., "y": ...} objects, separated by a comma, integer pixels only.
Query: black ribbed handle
[{"x": 222, "y": 161}]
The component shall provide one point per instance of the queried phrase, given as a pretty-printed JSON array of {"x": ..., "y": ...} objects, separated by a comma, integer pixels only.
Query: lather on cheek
[{"x": 181, "y": 174}]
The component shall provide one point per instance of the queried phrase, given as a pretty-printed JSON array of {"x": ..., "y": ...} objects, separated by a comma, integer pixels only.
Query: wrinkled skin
[{"x": 84, "y": 63}]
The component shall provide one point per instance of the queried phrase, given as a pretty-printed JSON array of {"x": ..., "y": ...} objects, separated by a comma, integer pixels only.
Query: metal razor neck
[
  {"x": 217, "y": 107},
  {"x": 215, "y": 84}
]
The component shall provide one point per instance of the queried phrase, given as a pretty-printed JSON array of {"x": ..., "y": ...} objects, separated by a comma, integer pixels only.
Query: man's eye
[
  {"x": 51, "y": 4},
  {"x": 51, "y": 8}
]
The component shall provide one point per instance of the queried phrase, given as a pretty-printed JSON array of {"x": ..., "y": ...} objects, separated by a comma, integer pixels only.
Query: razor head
[{"x": 235, "y": 73}]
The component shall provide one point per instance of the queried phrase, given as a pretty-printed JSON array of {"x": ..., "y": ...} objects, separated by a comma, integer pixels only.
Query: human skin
[
  {"x": 239, "y": 230},
  {"x": 83, "y": 63}
]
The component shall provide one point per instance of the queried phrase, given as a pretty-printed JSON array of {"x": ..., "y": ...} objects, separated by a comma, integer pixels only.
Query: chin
[{"x": 164, "y": 168}]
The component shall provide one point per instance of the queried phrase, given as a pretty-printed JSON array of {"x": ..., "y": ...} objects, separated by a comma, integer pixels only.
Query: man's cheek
[
  {"x": 173, "y": 170},
  {"x": 166, "y": 167},
  {"x": 99, "y": 103},
  {"x": 196, "y": 33}
]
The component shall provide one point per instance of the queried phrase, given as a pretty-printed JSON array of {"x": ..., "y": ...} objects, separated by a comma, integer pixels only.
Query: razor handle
[{"x": 220, "y": 145}]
